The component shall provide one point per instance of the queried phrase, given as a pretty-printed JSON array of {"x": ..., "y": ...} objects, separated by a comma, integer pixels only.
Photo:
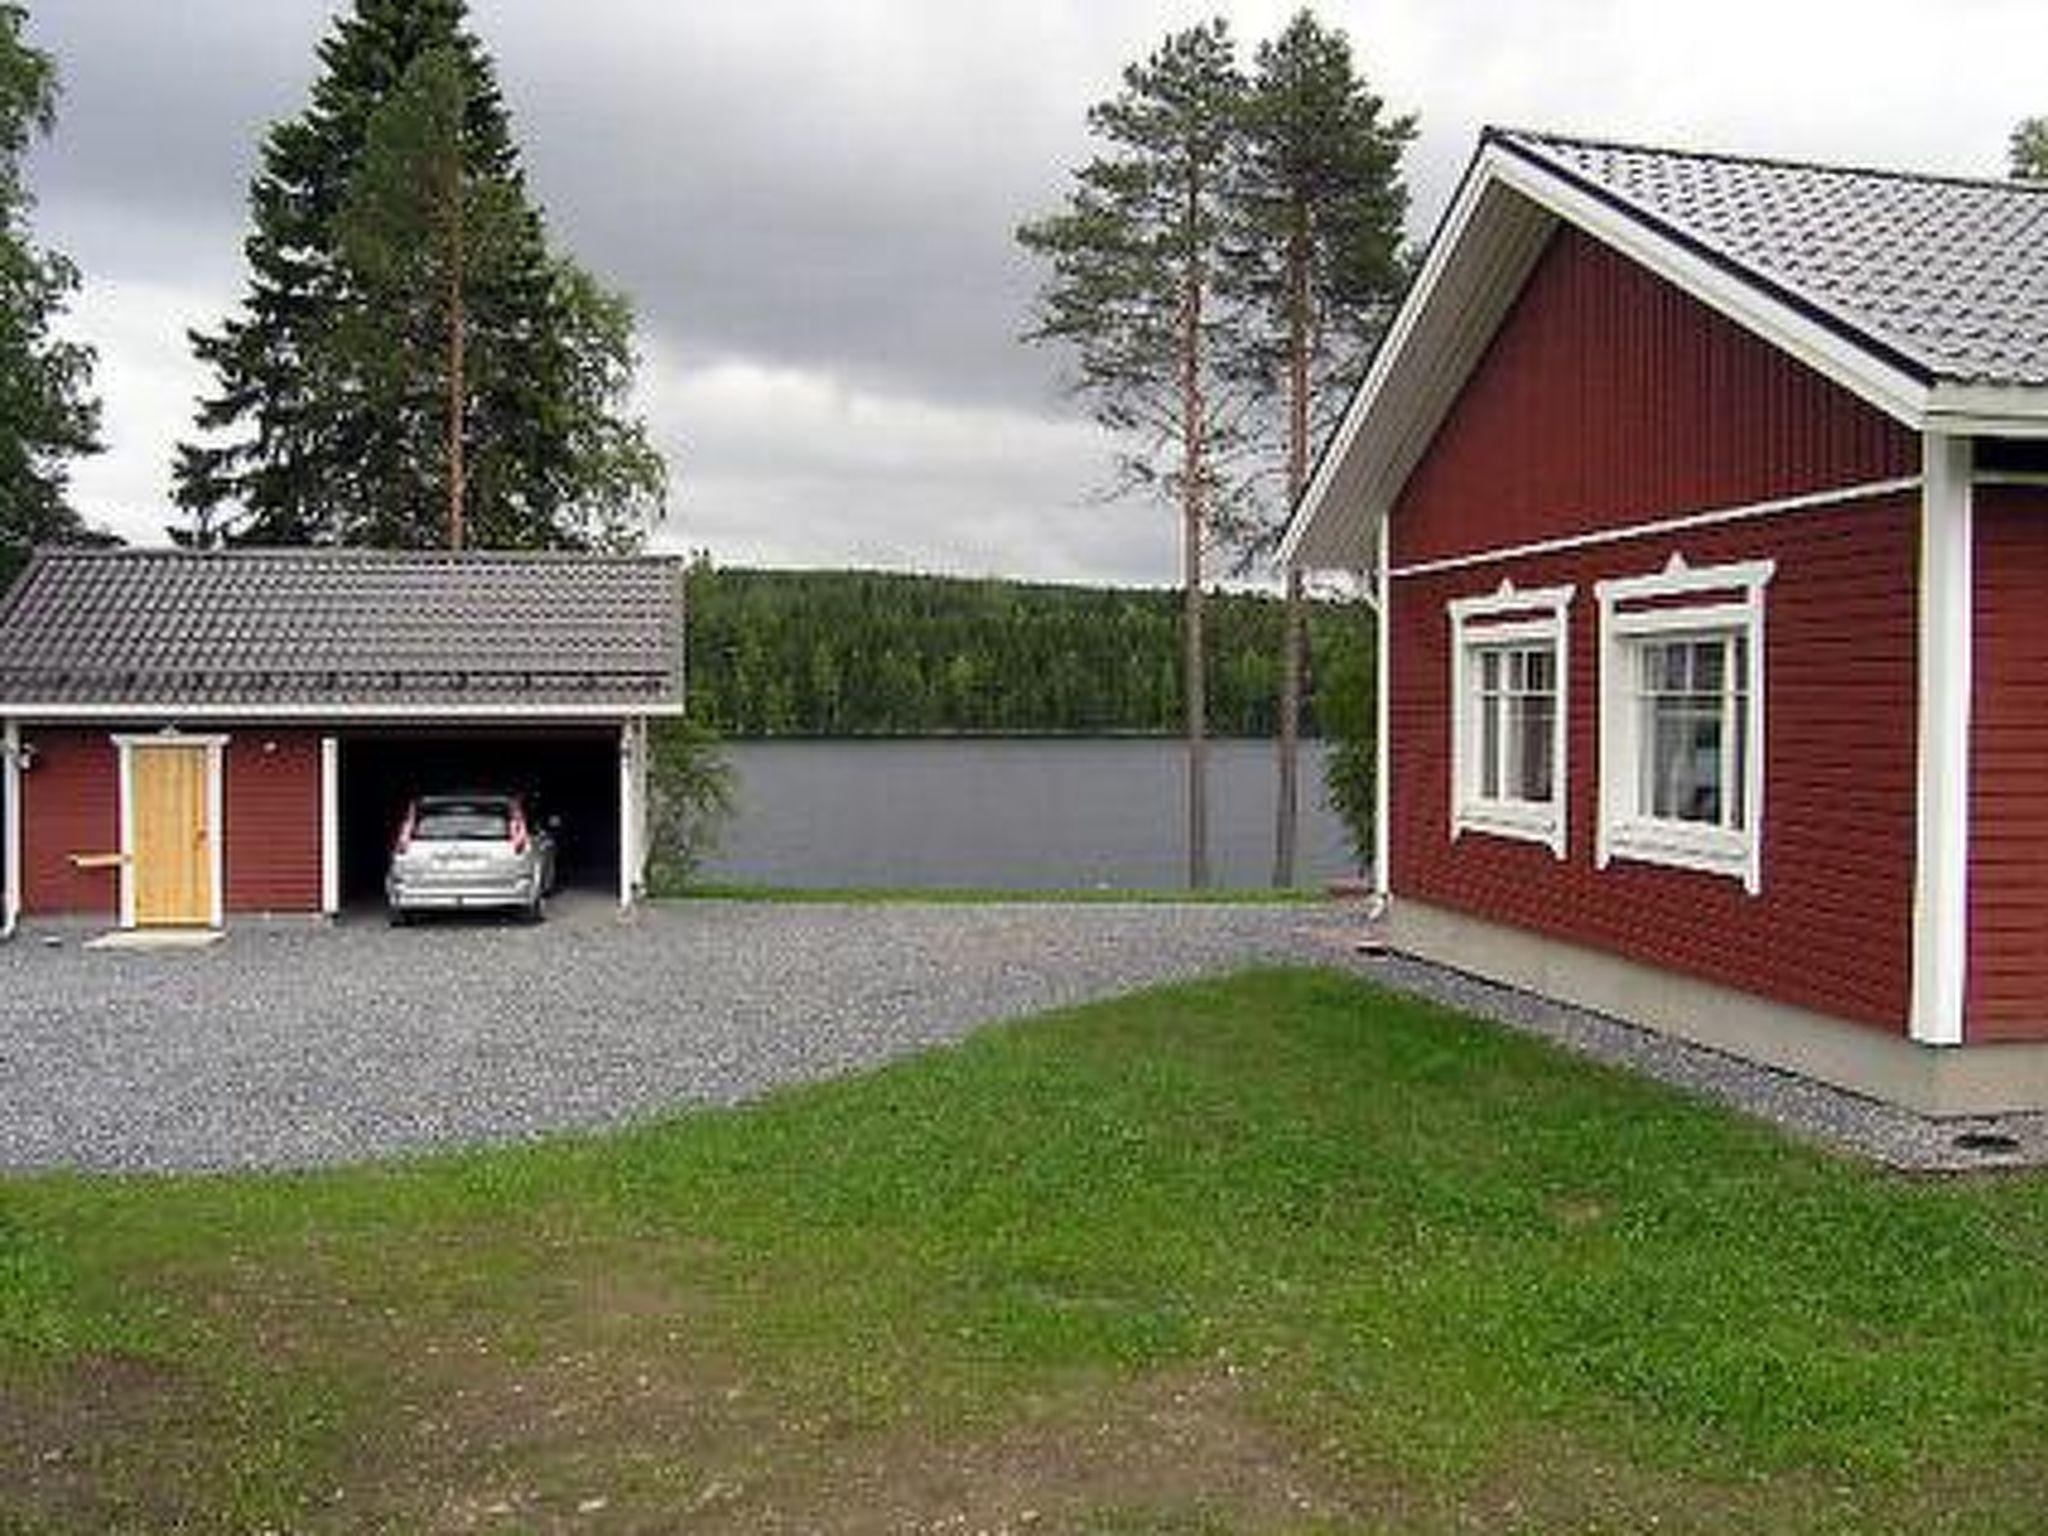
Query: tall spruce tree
[
  {"x": 47, "y": 414},
  {"x": 331, "y": 414},
  {"x": 1319, "y": 204},
  {"x": 1132, "y": 291}
]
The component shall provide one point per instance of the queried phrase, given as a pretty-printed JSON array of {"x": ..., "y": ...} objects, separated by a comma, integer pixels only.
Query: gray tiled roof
[
  {"x": 344, "y": 628},
  {"x": 1947, "y": 278}
]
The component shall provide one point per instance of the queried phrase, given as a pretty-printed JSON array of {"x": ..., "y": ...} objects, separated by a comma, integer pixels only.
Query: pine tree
[
  {"x": 331, "y": 415},
  {"x": 424, "y": 237},
  {"x": 47, "y": 414},
  {"x": 1319, "y": 204},
  {"x": 1132, "y": 291}
]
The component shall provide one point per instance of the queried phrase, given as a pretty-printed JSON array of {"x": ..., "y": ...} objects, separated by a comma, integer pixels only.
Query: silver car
[{"x": 454, "y": 852}]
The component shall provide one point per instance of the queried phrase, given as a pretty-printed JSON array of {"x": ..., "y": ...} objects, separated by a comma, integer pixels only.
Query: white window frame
[
  {"x": 1506, "y": 617},
  {"x": 1730, "y": 601}
]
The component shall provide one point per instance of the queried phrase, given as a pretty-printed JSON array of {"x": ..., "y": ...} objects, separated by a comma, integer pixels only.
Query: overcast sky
[{"x": 812, "y": 205}]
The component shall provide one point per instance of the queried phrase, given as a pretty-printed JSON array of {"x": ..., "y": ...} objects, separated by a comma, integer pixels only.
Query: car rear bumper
[{"x": 423, "y": 896}]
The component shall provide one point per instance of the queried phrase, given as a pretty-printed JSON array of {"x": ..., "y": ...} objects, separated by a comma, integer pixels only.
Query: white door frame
[
  {"x": 632, "y": 750},
  {"x": 215, "y": 748}
]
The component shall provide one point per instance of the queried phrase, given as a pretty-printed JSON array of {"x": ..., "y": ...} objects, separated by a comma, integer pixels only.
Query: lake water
[{"x": 1024, "y": 813}]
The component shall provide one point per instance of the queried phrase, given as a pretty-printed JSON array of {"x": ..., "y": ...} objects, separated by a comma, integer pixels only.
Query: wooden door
[{"x": 172, "y": 844}]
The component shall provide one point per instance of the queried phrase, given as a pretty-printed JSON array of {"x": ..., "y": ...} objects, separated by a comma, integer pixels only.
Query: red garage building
[
  {"x": 1706, "y": 500},
  {"x": 187, "y": 736}
]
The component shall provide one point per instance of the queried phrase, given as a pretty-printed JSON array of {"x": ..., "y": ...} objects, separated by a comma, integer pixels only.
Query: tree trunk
[
  {"x": 1287, "y": 808},
  {"x": 457, "y": 363},
  {"x": 1287, "y": 819},
  {"x": 1194, "y": 531}
]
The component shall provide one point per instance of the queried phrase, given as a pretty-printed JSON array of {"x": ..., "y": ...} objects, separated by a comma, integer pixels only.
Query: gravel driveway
[{"x": 286, "y": 1045}]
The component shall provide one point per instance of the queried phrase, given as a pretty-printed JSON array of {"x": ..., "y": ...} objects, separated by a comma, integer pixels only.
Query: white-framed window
[
  {"x": 1682, "y": 719},
  {"x": 1509, "y": 686}
]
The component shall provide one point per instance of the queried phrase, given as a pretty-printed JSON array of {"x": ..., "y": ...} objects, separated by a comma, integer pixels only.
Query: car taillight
[
  {"x": 404, "y": 834},
  {"x": 519, "y": 838}
]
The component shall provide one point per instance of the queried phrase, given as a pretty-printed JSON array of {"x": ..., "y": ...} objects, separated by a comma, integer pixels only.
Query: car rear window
[{"x": 463, "y": 821}]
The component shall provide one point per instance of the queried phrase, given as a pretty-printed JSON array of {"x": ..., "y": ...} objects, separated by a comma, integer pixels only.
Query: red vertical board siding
[
  {"x": 1831, "y": 929},
  {"x": 70, "y": 803},
  {"x": 2006, "y": 996},
  {"x": 270, "y": 801},
  {"x": 1609, "y": 397}
]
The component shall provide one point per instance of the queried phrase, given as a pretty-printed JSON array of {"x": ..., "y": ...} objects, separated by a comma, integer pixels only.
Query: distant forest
[
  {"x": 859, "y": 653},
  {"x": 866, "y": 653}
]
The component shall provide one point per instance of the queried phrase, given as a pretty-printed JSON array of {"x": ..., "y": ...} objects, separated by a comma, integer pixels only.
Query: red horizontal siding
[
  {"x": 1609, "y": 397},
  {"x": 2006, "y": 997},
  {"x": 70, "y": 804},
  {"x": 1831, "y": 928},
  {"x": 271, "y": 804}
]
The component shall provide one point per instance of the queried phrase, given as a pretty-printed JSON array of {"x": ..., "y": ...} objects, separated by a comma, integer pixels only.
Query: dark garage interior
[{"x": 570, "y": 776}]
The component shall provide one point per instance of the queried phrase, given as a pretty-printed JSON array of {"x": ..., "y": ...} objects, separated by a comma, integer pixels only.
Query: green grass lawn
[{"x": 1279, "y": 1252}]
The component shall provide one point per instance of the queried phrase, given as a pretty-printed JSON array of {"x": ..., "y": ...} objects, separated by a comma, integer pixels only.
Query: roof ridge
[{"x": 1537, "y": 137}]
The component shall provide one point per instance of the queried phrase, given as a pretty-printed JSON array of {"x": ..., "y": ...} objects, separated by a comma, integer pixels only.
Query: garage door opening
[{"x": 570, "y": 779}]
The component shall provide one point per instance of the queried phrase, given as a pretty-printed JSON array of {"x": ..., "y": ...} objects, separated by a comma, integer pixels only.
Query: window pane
[
  {"x": 1489, "y": 746},
  {"x": 1707, "y": 657},
  {"x": 1535, "y": 748},
  {"x": 1516, "y": 703}
]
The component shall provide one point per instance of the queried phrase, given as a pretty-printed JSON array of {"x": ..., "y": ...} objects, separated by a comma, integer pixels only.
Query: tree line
[{"x": 860, "y": 653}]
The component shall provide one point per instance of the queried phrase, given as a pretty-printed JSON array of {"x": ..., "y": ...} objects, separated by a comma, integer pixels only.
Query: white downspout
[{"x": 10, "y": 834}]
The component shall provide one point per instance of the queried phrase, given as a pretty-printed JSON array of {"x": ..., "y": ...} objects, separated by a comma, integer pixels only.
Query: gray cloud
[{"x": 812, "y": 206}]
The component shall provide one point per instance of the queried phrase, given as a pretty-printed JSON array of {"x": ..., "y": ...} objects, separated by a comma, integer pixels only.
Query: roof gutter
[{"x": 165, "y": 709}]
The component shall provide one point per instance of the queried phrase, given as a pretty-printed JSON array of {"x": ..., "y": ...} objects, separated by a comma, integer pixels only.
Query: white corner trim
[
  {"x": 627, "y": 775},
  {"x": 1382, "y": 723},
  {"x": 10, "y": 831},
  {"x": 330, "y": 826},
  {"x": 216, "y": 833},
  {"x": 125, "y": 778},
  {"x": 216, "y": 825},
  {"x": 1621, "y": 533},
  {"x": 1942, "y": 854},
  {"x": 1508, "y": 616},
  {"x": 1621, "y": 832}
]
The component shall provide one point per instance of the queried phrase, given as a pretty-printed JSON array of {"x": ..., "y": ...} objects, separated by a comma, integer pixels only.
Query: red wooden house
[
  {"x": 1706, "y": 503},
  {"x": 188, "y": 736}
]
